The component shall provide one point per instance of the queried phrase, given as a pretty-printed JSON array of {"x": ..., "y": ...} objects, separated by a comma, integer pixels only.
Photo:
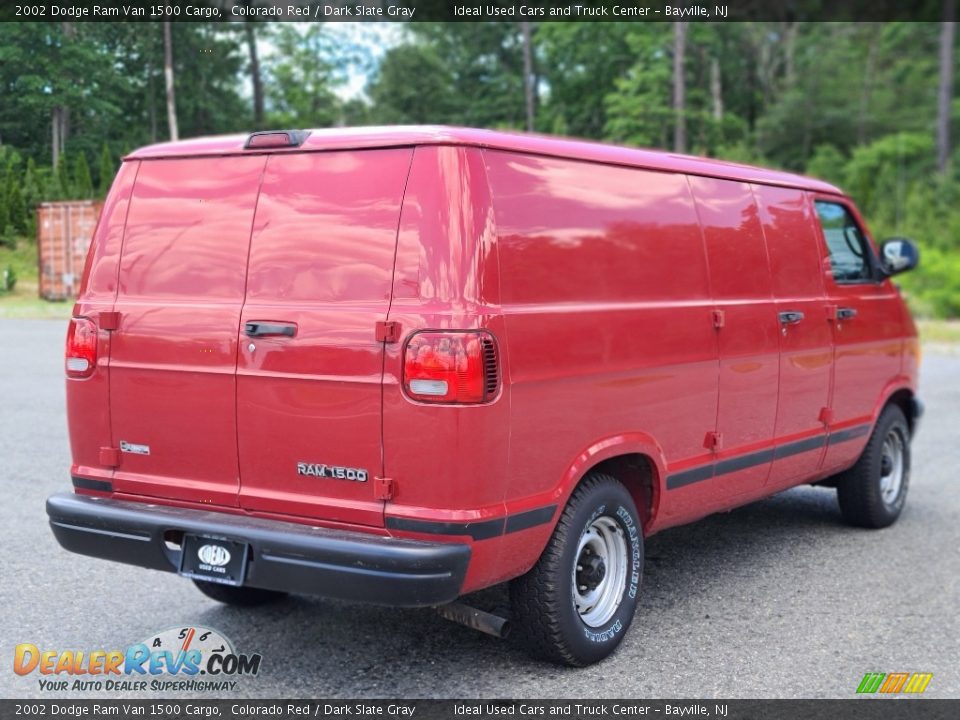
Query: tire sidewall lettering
[
  {"x": 616, "y": 625},
  {"x": 636, "y": 554},
  {"x": 605, "y": 635}
]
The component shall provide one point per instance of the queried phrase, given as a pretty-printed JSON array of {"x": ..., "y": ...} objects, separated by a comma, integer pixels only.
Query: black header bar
[
  {"x": 241, "y": 709},
  {"x": 470, "y": 10}
]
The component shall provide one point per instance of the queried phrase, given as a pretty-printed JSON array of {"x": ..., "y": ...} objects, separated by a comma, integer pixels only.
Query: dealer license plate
[{"x": 213, "y": 559}]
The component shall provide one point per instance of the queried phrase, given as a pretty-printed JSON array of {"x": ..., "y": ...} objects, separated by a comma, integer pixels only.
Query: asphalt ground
[{"x": 777, "y": 599}]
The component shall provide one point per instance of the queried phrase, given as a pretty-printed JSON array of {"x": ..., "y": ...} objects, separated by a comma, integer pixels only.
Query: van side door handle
[
  {"x": 790, "y": 317},
  {"x": 846, "y": 313},
  {"x": 257, "y": 328}
]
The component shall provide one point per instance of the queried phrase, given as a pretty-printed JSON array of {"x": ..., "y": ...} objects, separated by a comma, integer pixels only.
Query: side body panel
[
  {"x": 321, "y": 265},
  {"x": 609, "y": 322},
  {"x": 448, "y": 463}
]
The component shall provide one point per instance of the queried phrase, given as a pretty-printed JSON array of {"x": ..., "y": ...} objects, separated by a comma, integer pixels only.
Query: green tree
[
  {"x": 852, "y": 83},
  {"x": 484, "y": 61},
  {"x": 106, "y": 172},
  {"x": 15, "y": 205},
  {"x": 639, "y": 109},
  {"x": 879, "y": 175},
  {"x": 303, "y": 75},
  {"x": 5, "y": 239},
  {"x": 580, "y": 64},
  {"x": 208, "y": 70},
  {"x": 64, "y": 179},
  {"x": 82, "y": 183},
  {"x": 56, "y": 71},
  {"x": 432, "y": 99},
  {"x": 827, "y": 163},
  {"x": 32, "y": 196}
]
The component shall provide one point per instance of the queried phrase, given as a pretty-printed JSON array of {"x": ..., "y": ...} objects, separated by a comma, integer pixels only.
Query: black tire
[
  {"x": 867, "y": 495},
  {"x": 238, "y": 596},
  {"x": 545, "y": 618}
]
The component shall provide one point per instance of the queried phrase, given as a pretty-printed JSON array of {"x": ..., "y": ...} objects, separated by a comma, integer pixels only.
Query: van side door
[
  {"x": 806, "y": 339},
  {"x": 748, "y": 334},
  {"x": 867, "y": 327}
]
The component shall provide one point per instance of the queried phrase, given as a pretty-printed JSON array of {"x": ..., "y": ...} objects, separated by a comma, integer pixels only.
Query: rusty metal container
[{"x": 64, "y": 232}]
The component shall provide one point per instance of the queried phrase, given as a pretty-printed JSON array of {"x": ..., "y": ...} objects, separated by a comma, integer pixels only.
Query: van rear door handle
[
  {"x": 256, "y": 328},
  {"x": 846, "y": 313},
  {"x": 791, "y": 317}
]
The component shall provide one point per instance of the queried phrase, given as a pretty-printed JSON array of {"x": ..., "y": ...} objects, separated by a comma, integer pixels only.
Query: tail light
[
  {"x": 451, "y": 367},
  {"x": 81, "y": 353}
]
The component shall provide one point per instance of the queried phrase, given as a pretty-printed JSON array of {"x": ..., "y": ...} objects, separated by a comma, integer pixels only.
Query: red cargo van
[{"x": 398, "y": 365}]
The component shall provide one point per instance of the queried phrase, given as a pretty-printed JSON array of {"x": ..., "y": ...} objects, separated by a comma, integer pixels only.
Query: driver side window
[{"x": 848, "y": 248}]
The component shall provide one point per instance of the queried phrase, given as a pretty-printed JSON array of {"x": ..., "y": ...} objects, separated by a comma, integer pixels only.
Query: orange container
[{"x": 64, "y": 232}]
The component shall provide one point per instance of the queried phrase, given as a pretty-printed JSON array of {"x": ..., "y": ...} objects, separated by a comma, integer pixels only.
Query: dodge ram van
[{"x": 399, "y": 365}]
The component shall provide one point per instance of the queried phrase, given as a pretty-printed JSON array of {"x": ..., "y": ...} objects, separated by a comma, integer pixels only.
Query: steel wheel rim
[
  {"x": 600, "y": 573},
  {"x": 891, "y": 467}
]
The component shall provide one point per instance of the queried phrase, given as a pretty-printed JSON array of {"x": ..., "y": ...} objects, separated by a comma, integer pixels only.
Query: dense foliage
[{"x": 852, "y": 103}]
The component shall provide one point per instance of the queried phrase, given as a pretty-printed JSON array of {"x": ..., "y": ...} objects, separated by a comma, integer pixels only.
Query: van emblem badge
[
  {"x": 331, "y": 471},
  {"x": 135, "y": 448}
]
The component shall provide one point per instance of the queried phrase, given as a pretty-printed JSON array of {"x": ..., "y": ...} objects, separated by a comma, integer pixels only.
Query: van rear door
[
  {"x": 173, "y": 355},
  {"x": 310, "y": 367}
]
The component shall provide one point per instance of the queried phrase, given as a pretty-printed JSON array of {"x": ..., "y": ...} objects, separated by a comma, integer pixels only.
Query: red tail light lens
[
  {"x": 81, "y": 354},
  {"x": 451, "y": 367}
]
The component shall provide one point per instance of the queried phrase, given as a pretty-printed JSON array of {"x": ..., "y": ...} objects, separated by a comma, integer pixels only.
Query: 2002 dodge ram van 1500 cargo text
[{"x": 398, "y": 365}]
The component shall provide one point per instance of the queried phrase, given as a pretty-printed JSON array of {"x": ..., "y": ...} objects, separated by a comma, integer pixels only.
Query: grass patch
[
  {"x": 24, "y": 302},
  {"x": 939, "y": 331},
  {"x": 22, "y": 258}
]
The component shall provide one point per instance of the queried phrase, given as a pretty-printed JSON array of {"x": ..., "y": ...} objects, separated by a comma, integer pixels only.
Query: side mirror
[{"x": 898, "y": 255}]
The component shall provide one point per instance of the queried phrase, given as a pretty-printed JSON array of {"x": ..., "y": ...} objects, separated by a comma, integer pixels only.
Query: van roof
[{"x": 408, "y": 135}]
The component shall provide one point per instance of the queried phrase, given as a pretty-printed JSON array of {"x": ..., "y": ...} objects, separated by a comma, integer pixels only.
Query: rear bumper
[{"x": 283, "y": 556}]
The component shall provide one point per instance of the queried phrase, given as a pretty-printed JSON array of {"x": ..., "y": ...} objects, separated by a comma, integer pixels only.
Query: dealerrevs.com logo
[
  {"x": 194, "y": 659},
  {"x": 894, "y": 683}
]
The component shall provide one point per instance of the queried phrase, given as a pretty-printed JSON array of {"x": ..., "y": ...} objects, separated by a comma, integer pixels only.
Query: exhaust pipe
[{"x": 476, "y": 619}]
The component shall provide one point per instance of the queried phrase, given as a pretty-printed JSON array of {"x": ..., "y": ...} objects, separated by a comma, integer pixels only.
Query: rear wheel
[
  {"x": 575, "y": 605},
  {"x": 239, "y": 596},
  {"x": 872, "y": 493}
]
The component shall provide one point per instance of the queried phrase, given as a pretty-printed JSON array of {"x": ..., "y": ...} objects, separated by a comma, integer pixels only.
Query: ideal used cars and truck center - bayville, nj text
[{"x": 398, "y": 365}]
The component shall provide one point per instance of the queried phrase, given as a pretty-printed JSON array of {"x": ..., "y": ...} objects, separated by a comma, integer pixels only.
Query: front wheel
[
  {"x": 872, "y": 493},
  {"x": 576, "y": 604}
]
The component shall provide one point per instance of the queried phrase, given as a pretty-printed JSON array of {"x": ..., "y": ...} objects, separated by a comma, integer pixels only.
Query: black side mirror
[{"x": 898, "y": 255}]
